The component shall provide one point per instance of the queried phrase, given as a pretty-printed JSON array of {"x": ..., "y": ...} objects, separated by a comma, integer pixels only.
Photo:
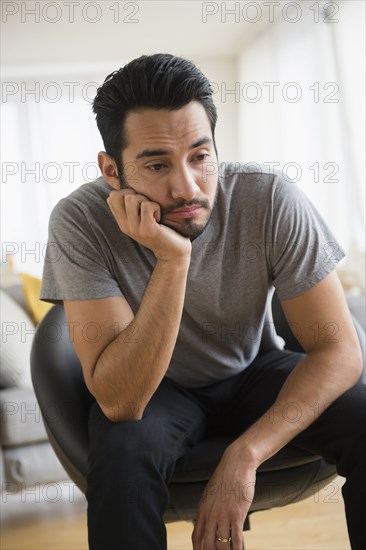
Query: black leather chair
[{"x": 291, "y": 475}]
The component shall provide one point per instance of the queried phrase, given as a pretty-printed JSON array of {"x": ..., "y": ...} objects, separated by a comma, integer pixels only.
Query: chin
[{"x": 189, "y": 229}]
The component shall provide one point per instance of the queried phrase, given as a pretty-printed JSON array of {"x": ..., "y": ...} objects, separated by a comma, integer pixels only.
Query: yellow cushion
[{"x": 32, "y": 289}]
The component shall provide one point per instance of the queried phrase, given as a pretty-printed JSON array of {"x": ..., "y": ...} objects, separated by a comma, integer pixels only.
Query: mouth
[{"x": 186, "y": 212}]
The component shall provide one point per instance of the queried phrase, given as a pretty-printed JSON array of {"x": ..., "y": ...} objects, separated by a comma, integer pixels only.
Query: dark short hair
[{"x": 159, "y": 81}]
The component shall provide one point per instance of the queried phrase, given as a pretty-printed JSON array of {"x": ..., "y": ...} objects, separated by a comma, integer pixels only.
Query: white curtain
[
  {"x": 48, "y": 149},
  {"x": 302, "y": 112}
]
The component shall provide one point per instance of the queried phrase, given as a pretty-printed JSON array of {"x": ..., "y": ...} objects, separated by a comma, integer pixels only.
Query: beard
[{"x": 187, "y": 227}]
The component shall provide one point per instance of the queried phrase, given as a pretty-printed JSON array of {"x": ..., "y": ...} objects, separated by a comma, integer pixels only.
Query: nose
[{"x": 183, "y": 184}]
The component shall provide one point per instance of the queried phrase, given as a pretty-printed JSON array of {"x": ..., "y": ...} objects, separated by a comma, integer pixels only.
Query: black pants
[{"x": 130, "y": 463}]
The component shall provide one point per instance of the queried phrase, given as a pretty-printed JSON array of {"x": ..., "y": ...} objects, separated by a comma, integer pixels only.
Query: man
[{"x": 166, "y": 272}]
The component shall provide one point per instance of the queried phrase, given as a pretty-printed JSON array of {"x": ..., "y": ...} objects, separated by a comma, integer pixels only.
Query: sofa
[{"x": 30, "y": 472}]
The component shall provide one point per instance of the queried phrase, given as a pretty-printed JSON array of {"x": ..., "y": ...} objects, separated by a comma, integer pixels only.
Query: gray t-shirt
[{"x": 263, "y": 233}]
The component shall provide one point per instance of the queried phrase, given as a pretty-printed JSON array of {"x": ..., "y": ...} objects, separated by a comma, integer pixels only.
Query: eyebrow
[{"x": 159, "y": 152}]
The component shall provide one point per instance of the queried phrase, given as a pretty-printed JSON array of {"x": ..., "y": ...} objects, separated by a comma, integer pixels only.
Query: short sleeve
[
  {"x": 302, "y": 249},
  {"x": 75, "y": 267}
]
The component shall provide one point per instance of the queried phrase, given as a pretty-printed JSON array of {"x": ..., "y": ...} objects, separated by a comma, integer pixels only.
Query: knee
[
  {"x": 129, "y": 445},
  {"x": 125, "y": 459}
]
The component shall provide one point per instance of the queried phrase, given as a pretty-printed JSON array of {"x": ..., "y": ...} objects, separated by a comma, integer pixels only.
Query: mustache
[{"x": 204, "y": 203}]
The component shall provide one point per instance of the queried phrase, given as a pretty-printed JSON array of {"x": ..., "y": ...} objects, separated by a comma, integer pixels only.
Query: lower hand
[{"x": 225, "y": 504}]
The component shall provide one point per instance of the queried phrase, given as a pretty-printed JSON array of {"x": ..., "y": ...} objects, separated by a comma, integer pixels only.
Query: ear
[{"x": 109, "y": 169}]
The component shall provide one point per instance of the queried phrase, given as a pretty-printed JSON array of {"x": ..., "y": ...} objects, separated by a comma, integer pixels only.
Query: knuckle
[
  {"x": 145, "y": 205},
  {"x": 237, "y": 517},
  {"x": 146, "y": 202},
  {"x": 129, "y": 198}
]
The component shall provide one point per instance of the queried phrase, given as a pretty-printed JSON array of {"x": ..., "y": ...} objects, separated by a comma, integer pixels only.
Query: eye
[
  {"x": 156, "y": 167},
  {"x": 201, "y": 156}
]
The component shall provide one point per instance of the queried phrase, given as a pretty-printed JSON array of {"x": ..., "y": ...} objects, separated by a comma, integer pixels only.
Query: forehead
[{"x": 179, "y": 127}]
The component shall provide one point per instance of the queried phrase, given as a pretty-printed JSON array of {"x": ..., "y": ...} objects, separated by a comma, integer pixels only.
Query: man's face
[{"x": 170, "y": 159}]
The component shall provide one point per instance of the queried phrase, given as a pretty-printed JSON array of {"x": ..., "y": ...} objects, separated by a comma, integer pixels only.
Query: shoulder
[
  {"x": 89, "y": 196},
  {"x": 88, "y": 193},
  {"x": 252, "y": 179},
  {"x": 250, "y": 175},
  {"x": 248, "y": 185}
]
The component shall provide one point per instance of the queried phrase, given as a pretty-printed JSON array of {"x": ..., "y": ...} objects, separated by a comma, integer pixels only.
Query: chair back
[{"x": 61, "y": 393}]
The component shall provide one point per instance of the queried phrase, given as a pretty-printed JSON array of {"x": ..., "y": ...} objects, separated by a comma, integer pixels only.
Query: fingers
[
  {"x": 206, "y": 536},
  {"x": 122, "y": 199},
  {"x": 133, "y": 212},
  {"x": 150, "y": 210},
  {"x": 227, "y": 537},
  {"x": 197, "y": 534},
  {"x": 236, "y": 536},
  {"x": 223, "y": 537}
]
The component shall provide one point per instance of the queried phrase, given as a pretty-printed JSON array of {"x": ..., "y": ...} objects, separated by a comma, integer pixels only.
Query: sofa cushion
[
  {"x": 17, "y": 333},
  {"x": 32, "y": 290},
  {"x": 34, "y": 464},
  {"x": 21, "y": 421},
  {"x": 15, "y": 291}
]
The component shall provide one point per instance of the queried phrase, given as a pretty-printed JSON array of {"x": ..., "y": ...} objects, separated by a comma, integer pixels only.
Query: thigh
[
  {"x": 242, "y": 399},
  {"x": 171, "y": 423},
  {"x": 338, "y": 433}
]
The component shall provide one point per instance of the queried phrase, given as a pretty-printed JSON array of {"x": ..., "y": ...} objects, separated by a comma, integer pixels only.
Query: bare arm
[
  {"x": 327, "y": 371},
  {"x": 125, "y": 365},
  {"x": 332, "y": 365}
]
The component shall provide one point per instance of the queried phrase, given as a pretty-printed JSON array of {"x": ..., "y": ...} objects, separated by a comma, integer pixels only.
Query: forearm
[
  {"x": 131, "y": 367},
  {"x": 321, "y": 377}
]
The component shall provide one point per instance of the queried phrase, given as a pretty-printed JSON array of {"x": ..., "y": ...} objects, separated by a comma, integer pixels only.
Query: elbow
[
  {"x": 355, "y": 363},
  {"x": 122, "y": 412},
  {"x": 115, "y": 411}
]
